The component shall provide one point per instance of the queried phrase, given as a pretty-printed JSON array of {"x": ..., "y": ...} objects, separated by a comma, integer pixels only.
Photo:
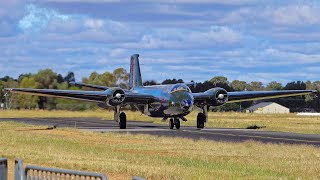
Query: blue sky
[{"x": 251, "y": 40}]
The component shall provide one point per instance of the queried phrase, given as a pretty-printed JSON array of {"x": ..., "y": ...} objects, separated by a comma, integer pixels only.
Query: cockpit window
[{"x": 180, "y": 87}]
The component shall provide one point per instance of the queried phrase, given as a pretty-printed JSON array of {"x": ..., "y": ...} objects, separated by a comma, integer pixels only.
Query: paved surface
[{"x": 137, "y": 127}]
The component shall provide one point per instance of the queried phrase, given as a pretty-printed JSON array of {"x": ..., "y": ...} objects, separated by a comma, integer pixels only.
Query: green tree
[
  {"x": 9, "y": 99},
  {"x": 238, "y": 85},
  {"x": 2, "y": 98},
  {"x": 316, "y": 85},
  {"x": 122, "y": 77},
  {"x": 150, "y": 83},
  {"x": 93, "y": 76},
  {"x": 45, "y": 78},
  {"x": 274, "y": 86},
  {"x": 21, "y": 76},
  {"x": 219, "y": 80},
  {"x": 27, "y": 101},
  {"x": 105, "y": 79},
  {"x": 70, "y": 77},
  {"x": 295, "y": 85},
  {"x": 172, "y": 81},
  {"x": 255, "y": 86},
  {"x": 6, "y": 78}
]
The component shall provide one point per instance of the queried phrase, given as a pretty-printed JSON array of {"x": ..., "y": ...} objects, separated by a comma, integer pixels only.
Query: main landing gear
[
  {"x": 202, "y": 117},
  {"x": 201, "y": 120},
  {"x": 122, "y": 120},
  {"x": 120, "y": 117}
]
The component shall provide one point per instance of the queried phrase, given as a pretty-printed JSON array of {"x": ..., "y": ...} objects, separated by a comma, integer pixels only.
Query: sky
[{"x": 250, "y": 40}]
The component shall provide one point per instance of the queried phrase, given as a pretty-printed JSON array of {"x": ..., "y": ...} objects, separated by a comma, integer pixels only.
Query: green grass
[
  {"x": 121, "y": 156},
  {"x": 274, "y": 122}
]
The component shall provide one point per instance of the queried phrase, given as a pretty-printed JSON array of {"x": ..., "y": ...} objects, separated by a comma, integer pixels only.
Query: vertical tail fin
[{"x": 135, "y": 74}]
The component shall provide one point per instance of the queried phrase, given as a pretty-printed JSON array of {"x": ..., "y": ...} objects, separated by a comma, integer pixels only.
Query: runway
[{"x": 138, "y": 127}]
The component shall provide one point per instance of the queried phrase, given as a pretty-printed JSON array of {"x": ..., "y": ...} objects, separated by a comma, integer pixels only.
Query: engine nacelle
[
  {"x": 115, "y": 96},
  {"x": 218, "y": 96}
]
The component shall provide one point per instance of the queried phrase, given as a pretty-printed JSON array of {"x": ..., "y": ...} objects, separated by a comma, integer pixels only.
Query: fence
[
  {"x": 3, "y": 168},
  {"x": 31, "y": 172}
]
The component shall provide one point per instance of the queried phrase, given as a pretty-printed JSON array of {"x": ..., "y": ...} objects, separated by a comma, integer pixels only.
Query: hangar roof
[{"x": 262, "y": 105}]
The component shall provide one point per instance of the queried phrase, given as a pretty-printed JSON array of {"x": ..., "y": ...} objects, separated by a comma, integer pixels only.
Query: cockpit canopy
[{"x": 179, "y": 88}]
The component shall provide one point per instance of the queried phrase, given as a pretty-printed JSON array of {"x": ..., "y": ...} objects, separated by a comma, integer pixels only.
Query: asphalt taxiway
[{"x": 139, "y": 127}]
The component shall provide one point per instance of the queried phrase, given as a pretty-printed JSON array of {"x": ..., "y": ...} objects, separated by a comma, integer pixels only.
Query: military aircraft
[{"x": 172, "y": 102}]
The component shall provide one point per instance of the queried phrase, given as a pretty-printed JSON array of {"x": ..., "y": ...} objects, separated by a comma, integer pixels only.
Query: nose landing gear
[{"x": 174, "y": 122}]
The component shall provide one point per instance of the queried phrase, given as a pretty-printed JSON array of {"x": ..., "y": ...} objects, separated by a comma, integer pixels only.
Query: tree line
[{"x": 48, "y": 79}]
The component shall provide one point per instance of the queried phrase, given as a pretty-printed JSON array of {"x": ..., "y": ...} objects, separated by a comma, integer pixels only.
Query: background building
[{"x": 268, "y": 107}]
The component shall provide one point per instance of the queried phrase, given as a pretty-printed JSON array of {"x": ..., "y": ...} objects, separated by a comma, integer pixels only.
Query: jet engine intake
[
  {"x": 218, "y": 96},
  {"x": 115, "y": 96}
]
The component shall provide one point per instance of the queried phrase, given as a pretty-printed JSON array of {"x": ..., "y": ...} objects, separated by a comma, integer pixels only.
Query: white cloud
[
  {"x": 294, "y": 15},
  {"x": 94, "y": 23},
  {"x": 216, "y": 36},
  {"x": 39, "y": 18},
  {"x": 77, "y": 1},
  {"x": 72, "y": 25},
  {"x": 12, "y": 9},
  {"x": 281, "y": 57},
  {"x": 238, "y": 15},
  {"x": 229, "y": 2}
]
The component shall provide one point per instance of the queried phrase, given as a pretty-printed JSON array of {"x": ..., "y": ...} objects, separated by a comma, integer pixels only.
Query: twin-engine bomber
[{"x": 172, "y": 102}]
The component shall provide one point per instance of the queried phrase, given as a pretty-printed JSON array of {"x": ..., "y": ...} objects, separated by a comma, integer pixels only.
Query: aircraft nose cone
[{"x": 186, "y": 105}]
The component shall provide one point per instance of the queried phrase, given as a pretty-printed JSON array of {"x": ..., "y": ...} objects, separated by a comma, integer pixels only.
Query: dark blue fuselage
[{"x": 173, "y": 100}]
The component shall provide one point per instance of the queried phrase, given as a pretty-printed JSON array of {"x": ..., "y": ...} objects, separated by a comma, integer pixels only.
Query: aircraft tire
[
  {"x": 123, "y": 120},
  {"x": 201, "y": 119},
  {"x": 177, "y": 124},
  {"x": 171, "y": 124}
]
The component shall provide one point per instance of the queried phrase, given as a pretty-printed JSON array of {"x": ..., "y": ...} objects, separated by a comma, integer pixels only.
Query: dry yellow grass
[
  {"x": 275, "y": 122},
  {"x": 122, "y": 155}
]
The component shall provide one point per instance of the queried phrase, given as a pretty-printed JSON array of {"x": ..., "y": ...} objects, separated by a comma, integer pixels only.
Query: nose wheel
[{"x": 174, "y": 123}]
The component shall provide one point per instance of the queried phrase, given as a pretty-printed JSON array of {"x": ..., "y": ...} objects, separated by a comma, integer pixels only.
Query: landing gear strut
[
  {"x": 174, "y": 122},
  {"x": 120, "y": 117}
]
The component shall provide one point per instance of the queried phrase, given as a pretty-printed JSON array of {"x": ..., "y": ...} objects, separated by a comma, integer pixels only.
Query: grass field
[
  {"x": 121, "y": 156},
  {"x": 276, "y": 122}
]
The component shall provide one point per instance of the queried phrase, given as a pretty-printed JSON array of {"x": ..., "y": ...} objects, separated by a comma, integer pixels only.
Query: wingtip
[{"x": 7, "y": 89}]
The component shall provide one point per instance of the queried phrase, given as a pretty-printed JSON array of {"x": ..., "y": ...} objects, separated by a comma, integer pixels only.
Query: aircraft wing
[
  {"x": 259, "y": 95},
  {"x": 91, "y": 96},
  {"x": 241, "y": 96}
]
